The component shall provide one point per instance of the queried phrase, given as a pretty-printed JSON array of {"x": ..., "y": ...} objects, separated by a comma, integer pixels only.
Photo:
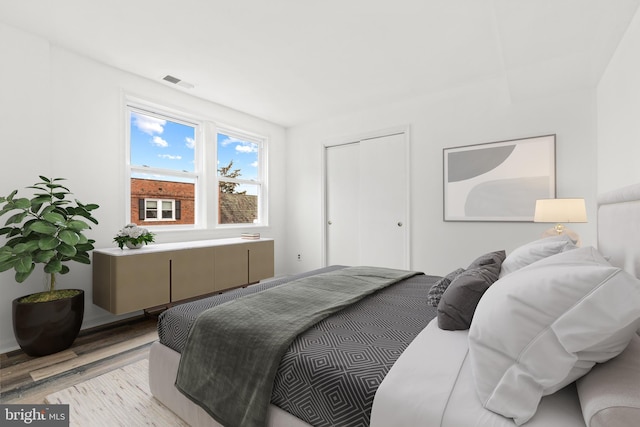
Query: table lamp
[{"x": 560, "y": 211}]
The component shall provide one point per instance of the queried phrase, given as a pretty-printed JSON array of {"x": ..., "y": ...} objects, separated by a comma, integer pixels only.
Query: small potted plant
[
  {"x": 47, "y": 229},
  {"x": 133, "y": 237}
]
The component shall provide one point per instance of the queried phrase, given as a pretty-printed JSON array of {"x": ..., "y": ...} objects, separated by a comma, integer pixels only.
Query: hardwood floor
[{"x": 24, "y": 379}]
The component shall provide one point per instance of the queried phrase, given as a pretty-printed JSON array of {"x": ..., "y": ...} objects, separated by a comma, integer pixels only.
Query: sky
[{"x": 165, "y": 144}]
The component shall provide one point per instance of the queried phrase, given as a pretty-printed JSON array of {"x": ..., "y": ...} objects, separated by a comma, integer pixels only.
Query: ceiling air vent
[{"x": 177, "y": 81}]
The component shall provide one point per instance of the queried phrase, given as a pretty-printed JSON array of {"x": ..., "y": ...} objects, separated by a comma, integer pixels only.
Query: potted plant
[
  {"x": 47, "y": 229},
  {"x": 133, "y": 237}
]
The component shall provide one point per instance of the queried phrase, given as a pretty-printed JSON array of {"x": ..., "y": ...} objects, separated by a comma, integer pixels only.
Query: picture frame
[{"x": 498, "y": 181}]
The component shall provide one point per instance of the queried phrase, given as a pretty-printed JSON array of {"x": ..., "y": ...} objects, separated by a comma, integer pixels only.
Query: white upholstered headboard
[{"x": 619, "y": 227}]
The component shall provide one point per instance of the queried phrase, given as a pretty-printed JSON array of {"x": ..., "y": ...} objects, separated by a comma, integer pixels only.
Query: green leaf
[
  {"x": 77, "y": 225},
  {"x": 5, "y": 255},
  {"x": 69, "y": 237},
  {"x": 5, "y": 209},
  {"x": 32, "y": 245},
  {"x": 16, "y": 219},
  {"x": 44, "y": 256},
  {"x": 82, "y": 257},
  {"x": 44, "y": 178},
  {"x": 60, "y": 196},
  {"x": 84, "y": 247},
  {"x": 43, "y": 227},
  {"x": 53, "y": 266},
  {"x": 64, "y": 269},
  {"x": 66, "y": 250},
  {"x": 90, "y": 206},
  {"x": 54, "y": 218},
  {"x": 20, "y": 248},
  {"x": 48, "y": 209},
  {"x": 7, "y": 264},
  {"x": 21, "y": 277},
  {"x": 41, "y": 198},
  {"x": 22, "y": 203},
  {"x": 6, "y": 230},
  {"x": 24, "y": 264},
  {"x": 48, "y": 242}
]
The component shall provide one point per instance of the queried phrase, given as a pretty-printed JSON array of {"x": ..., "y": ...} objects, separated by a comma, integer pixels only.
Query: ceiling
[{"x": 294, "y": 61}]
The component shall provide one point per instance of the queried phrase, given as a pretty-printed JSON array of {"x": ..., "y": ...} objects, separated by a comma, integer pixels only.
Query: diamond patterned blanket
[{"x": 329, "y": 374}]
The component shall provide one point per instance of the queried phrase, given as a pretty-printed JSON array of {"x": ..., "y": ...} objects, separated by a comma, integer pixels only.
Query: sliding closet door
[
  {"x": 367, "y": 201},
  {"x": 342, "y": 204},
  {"x": 383, "y": 202}
]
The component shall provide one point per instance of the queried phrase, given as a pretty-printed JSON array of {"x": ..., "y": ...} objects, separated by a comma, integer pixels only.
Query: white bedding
[{"x": 431, "y": 385}]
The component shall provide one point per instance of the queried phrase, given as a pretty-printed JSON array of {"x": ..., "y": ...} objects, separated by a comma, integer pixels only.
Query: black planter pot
[{"x": 43, "y": 328}]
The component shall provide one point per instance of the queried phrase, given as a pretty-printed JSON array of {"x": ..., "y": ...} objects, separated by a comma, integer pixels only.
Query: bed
[{"x": 397, "y": 357}]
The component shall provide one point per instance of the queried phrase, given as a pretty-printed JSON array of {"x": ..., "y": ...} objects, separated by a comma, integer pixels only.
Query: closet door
[
  {"x": 383, "y": 202},
  {"x": 367, "y": 202},
  {"x": 342, "y": 204}
]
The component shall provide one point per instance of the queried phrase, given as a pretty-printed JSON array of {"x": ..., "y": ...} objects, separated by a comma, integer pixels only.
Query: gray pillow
[
  {"x": 438, "y": 288},
  {"x": 459, "y": 300}
]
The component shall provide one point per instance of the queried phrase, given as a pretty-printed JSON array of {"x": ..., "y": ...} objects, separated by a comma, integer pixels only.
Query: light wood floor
[{"x": 25, "y": 379}]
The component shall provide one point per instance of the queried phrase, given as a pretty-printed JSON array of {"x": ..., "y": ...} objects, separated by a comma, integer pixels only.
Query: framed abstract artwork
[{"x": 499, "y": 181}]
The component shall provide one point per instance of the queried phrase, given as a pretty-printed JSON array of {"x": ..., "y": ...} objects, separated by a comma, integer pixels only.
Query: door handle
[{"x": 399, "y": 223}]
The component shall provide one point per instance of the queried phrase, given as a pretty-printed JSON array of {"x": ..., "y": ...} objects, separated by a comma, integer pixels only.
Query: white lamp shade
[{"x": 560, "y": 210}]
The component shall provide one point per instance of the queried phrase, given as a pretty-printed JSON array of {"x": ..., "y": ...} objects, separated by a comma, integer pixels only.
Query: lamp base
[{"x": 554, "y": 231}]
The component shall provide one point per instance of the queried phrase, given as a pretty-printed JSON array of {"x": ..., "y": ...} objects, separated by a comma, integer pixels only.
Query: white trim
[{"x": 205, "y": 173}]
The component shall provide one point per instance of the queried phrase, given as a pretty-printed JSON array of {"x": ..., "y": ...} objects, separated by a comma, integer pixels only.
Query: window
[
  {"x": 239, "y": 178},
  {"x": 163, "y": 158},
  {"x": 171, "y": 181},
  {"x": 159, "y": 210}
]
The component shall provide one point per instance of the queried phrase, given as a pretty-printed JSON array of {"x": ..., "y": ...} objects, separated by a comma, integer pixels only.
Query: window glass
[
  {"x": 169, "y": 156},
  {"x": 163, "y": 173},
  {"x": 237, "y": 158},
  {"x": 161, "y": 143},
  {"x": 239, "y": 183}
]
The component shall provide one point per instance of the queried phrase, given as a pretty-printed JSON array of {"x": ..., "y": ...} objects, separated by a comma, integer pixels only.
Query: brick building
[
  {"x": 147, "y": 197},
  {"x": 152, "y": 201}
]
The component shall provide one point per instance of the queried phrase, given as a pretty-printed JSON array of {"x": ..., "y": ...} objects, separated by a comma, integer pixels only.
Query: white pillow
[
  {"x": 535, "y": 251},
  {"x": 545, "y": 325}
]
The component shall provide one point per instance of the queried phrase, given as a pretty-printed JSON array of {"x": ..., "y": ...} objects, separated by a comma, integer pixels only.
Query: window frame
[
  {"x": 159, "y": 209},
  {"x": 260, "y": 180},
  {"x": 205, "y": 174}
]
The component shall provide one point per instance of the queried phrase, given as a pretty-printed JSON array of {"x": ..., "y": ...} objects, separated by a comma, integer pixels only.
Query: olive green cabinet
[{"x": 161, "y": 274}]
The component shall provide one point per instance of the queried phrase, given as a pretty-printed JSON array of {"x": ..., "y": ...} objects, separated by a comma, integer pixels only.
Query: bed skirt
[{"x": 163, "y": 368}]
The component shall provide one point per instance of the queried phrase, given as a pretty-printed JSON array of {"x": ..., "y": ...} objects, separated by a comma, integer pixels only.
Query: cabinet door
[
  {"x": 231, "y": 266},
  {"x": 139, "y": 282},
  {"x": 260, "y": 260},
  {"x": 192, "y": 273}
]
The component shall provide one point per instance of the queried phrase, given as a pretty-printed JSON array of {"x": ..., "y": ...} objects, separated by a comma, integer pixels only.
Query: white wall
[
  {"x": 471, "y": 115},
  {"x": 62, "y": 115},
  {"x": 619, "y": 114}
]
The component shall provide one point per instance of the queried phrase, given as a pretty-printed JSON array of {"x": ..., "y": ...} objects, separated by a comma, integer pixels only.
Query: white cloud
[
  {"x": 254, "y": 164},
  {"x": 230, "y": 140},
  {"x": 159, "y": 142},
  {"x": 169, "y": 156},
  {"x": 190, "y": 143},
  {"x": 247, "y": 148},
  {"x": 147, "y": 124}
]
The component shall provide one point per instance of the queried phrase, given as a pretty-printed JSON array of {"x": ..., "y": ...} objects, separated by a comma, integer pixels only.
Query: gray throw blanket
[{"x": 233, "y": 351}]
